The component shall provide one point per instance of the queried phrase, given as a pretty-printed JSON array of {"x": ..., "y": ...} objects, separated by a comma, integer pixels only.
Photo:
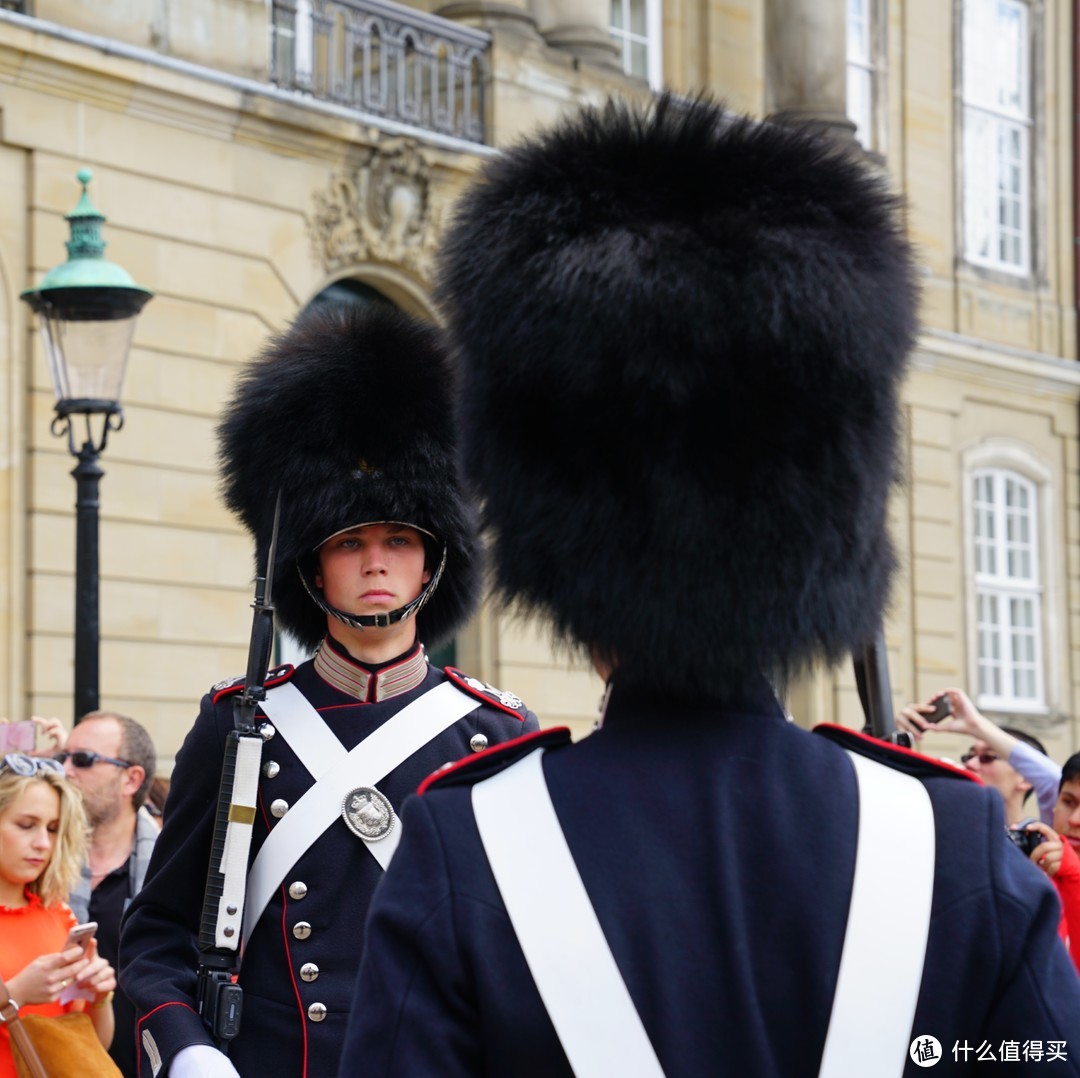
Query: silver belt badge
[{"x": 368, "y": 813}]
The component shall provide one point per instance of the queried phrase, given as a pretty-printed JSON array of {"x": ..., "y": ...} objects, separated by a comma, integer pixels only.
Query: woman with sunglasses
[{"x": 43, "y": 836}]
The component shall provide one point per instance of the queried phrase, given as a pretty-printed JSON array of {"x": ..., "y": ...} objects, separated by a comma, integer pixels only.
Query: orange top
[{"x": 26, "y": 933}]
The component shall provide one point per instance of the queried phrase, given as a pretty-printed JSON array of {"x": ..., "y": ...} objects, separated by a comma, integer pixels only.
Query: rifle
[
  {"x": 875, "y": 693},
  {"x": 219, "y": 999}
]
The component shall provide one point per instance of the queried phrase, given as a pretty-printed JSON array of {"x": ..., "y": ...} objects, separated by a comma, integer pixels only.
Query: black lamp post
[{"x": 86, "y": 311}]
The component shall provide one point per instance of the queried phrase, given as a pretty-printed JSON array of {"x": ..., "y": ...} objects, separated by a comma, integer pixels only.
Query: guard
[
  {"x": 683, "y": 335},
  {"x": 338, "y": 454}
]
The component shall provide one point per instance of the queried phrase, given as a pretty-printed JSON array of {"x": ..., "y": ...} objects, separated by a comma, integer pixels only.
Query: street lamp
[{"x": 86, "y": 311}]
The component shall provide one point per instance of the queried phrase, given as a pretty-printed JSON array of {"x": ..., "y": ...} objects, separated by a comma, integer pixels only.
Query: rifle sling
[{"x": 234, "y": 856}]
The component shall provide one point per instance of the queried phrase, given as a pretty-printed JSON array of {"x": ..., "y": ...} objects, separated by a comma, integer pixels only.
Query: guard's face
[
  {"x": 373, "y": 569},
  {"x": 1067, "y": 813}
]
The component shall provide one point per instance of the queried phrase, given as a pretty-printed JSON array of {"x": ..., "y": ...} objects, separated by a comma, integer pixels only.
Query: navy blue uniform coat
[
  {"x": 717, "y": 847},
  {"x": 158, "y": 947}
]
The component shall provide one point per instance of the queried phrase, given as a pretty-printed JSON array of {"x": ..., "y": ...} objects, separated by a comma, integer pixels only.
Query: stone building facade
[{"x": 251, "y": 155}]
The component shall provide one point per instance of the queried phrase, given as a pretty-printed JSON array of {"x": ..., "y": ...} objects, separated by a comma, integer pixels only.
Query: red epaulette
[
  {"x": 894, "y": 756},
  {"x": 230, "y": 685},
  {"x": 483, "y": 764},
  {"x": 488, "y": 694}
]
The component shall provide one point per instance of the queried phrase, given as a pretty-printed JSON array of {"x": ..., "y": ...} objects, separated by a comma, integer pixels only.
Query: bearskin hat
[
  {"x": 349, "y": 414},
  {"x": 682, "y": 335}
]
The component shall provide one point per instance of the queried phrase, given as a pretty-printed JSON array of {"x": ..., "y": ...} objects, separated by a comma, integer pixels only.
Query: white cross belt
[{"x": 338, "y": 771}]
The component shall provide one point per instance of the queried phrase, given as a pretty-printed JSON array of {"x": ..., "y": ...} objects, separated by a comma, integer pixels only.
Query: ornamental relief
[{"x": 382, "y": 212}]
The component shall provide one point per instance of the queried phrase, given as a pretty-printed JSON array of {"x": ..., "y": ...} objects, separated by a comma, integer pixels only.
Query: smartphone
[
  {"x": 18, "y": 736},
  {"x": 81, "y": 935},
  {"x": 942, "y": 708}
]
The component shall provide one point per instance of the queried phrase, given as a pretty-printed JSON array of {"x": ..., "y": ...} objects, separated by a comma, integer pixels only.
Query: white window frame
[
  {"x": 302, "y": 52},
  {"x": 997, "y": 184},
  {"x": 652, "y": 39},
  {"x": 1008, "y": 459},
  {"x": 866, "y": 67}
]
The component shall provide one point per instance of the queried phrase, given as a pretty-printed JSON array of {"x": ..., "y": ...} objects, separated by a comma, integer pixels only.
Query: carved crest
[{"x": 381, "y": 212}]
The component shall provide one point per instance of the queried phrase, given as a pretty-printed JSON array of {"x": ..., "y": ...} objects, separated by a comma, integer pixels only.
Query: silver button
[
  {"x": 301, "y": 930},
  {"x": 317, "y": 1012},
  {"x": 279, "y": 807},
  {"x": 309, "y": 971},
  {"x": 297, "y": 889},
  {"x": 478, "y": 742},
  {"x": 271, "y": 769},
  {"x": 266, "y": 730}
]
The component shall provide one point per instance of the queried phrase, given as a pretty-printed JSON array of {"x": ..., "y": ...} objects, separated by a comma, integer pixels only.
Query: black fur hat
[
  {"x": 349, "y": 414},
  {"x": 682, "y": 337}
]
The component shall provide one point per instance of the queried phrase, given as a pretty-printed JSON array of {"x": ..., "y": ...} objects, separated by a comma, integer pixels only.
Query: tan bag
[{"x": 63, "y": 1046}]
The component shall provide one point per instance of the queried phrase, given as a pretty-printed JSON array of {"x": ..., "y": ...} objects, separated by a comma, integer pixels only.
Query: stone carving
[{"x": 382, "y": 212}]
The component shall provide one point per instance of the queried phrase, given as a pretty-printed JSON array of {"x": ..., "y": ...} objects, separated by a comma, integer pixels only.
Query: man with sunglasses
[{"x": 110, "y": 759}]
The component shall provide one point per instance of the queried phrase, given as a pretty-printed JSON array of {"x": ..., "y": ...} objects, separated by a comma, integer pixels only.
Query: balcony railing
[{"x": 383, "y": 58}]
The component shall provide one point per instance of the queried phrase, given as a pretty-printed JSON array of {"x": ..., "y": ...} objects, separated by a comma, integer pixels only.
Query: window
[
  {"x": 636, "y": 29},
  {"x": 997, "y": 134},
  {"x": 1008, "y": 593},
  {"x": 864, "y": 72},
  {"x": 292, "y": 45}
]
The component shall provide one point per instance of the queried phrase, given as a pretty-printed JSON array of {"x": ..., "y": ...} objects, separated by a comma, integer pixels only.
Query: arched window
[
  {"x": 346, "y": 292},
  {"x": 1008, "y": 590}
]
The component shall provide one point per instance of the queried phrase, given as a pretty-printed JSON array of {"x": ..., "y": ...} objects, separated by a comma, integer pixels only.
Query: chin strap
[{"x": 375, "y": 621}]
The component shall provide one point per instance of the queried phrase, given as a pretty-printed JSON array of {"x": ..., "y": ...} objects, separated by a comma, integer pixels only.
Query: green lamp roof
[{"x": 86, "y": 266}]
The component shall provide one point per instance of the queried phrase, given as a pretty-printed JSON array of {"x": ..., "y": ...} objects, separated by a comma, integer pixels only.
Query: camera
[
  {"x": 1025, "y": 841},
  {"x": 942, "y": 708}
]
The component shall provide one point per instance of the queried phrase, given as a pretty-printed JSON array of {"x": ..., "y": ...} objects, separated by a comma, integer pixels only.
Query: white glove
[{"x": 201, "y": 1061}]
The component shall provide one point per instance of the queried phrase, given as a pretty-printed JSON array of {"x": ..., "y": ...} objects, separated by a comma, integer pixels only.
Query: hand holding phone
[
  {"x": 81, "y": 935},
  {"x": 942, "y": 708}
]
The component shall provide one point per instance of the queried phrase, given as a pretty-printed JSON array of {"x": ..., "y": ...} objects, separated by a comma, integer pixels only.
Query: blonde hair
[{"x": 72, "y": 833}]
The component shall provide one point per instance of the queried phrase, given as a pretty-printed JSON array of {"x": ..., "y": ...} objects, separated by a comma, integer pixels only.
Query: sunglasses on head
[
  {"x": 20, "y": 764},
  {"x": 984, "y": 758},
  {"x": 88, "y": 759}
]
